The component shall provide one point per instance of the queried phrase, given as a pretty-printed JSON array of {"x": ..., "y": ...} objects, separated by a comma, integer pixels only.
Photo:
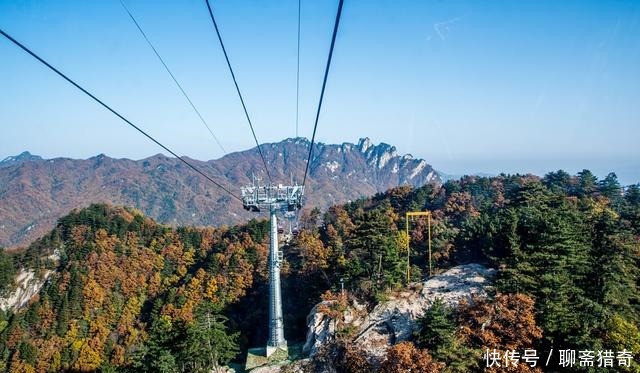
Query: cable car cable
[
  {"x": 324, "y": 84},
  {"x": 235, "y": 82},
  {"x": 193, "y": 106},
  {"x": 114, "y": 112},
  {"x": 298, "y": 72}
]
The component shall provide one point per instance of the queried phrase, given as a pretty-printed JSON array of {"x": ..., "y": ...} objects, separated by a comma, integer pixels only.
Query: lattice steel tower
[{"x": 274, "y": 199}]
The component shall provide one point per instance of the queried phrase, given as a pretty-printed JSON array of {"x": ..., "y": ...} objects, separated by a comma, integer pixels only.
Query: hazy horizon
[{"x": 627, "y": 173}]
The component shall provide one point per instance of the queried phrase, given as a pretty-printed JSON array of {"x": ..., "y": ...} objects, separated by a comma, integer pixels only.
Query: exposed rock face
[
  {"x": 321, "y": 328},
  {"x": 20, "y": 158},
  {"x": 394, "y": 320},
  {"x": 295, "y": 367},
  {"x": 35, "y": 192},
  {"x": 27, "y": 286}
]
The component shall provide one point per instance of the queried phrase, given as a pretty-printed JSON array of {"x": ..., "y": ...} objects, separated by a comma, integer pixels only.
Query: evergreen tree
[
  {"x": 372, "y": 251},
  {"x": 631, "y": 210},
  {"x": 610, "y": 187},
  {"x": 28, "y": 353},
  {"x": 7, "y": 272},
  {"x": 559, "y": 181},
  {"x": 587, "y": 183},
  {"x": 614, "y": 278},
  {"x": 436, "y": 327},
  {"x": 206, "y": 343},
  {"x": 632, "y": 195},
  {"x": 549, "y": 260},
  {"x": 157, "y": 354}
]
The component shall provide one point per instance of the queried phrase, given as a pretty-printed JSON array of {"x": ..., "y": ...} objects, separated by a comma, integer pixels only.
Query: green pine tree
[
  {"x": 7, "y": 272},
  {"x": 207, "y": 344},
  {"x": 587, "y": 183},
  {"x": 436, "y": 327}
]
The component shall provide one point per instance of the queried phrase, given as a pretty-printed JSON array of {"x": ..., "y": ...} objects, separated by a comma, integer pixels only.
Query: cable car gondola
[{"x": 295, "y": 231}]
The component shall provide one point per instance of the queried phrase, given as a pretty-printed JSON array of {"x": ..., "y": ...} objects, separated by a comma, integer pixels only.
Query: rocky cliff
[
  {"x": 394, "y": 320},
  {"x": 391, "y": 321}
]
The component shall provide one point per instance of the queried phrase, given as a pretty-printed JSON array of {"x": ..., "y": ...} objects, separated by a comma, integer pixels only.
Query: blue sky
[{"x": 471, "y": 86}]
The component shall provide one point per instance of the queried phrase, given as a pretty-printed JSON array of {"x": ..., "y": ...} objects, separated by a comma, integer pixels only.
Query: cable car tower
[{"x": 273, "y": 199}]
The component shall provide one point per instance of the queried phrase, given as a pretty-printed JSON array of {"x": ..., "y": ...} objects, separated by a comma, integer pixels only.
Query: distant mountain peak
[
  {"x": 162, "y": 188},
  {"x": 364, "y": 144},
  {"x": 22, "y": 157}
]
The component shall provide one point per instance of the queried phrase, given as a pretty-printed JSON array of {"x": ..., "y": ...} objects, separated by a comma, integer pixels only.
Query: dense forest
[{"x": 128, "y": 294}]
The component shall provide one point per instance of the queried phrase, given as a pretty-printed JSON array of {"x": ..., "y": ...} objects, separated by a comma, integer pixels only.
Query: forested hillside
[{"x": 129, "y": 294}]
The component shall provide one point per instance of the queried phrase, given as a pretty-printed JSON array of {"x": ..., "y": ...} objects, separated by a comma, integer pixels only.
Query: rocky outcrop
[
  {"x": 27, "y": 286},
  {"x": 321, "y": 327},
  {"x": 295, "y": 367},
  {"x": 20, "y": 158},
  {"x": 394, "y": 320}
]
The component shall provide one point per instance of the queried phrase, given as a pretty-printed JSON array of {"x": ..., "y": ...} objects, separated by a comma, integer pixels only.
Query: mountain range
[{"x": 35, "y": 192}]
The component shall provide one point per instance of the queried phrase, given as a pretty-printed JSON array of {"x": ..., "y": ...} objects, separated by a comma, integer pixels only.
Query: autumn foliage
[
  {"x": 128, "y": 294},
  {"x": 97, "y": 309},
  {"x": 405, "y": 357},
  {"x": 506, "y": 322}
]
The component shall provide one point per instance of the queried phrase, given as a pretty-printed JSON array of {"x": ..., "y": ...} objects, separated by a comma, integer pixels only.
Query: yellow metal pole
[
  {"x": 408, "y": 248},
  {"x": 429, "y": 230}
]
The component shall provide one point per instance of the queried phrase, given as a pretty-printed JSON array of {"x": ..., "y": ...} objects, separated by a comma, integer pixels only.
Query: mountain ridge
[
  {"x": 34, "y": 192},
  {"x": 22, "y": 157}
]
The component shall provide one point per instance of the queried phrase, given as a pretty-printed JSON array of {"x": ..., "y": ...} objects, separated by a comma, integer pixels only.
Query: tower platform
[{"x": 257, "y": 357}]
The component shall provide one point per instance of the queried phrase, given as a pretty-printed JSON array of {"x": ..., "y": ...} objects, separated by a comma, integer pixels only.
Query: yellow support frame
[{"x": 412, "y": 214}]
